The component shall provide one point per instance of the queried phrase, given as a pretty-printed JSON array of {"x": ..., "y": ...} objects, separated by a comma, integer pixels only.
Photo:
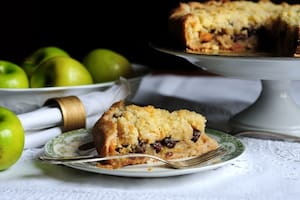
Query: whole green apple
[
  {"x": 12, "y": 138},
  {"x": 60, "y": 71},
  {"x": 40, "y": 55},
  {"x": 107, "y": 65},
  {"x": 12, "y": 75}
]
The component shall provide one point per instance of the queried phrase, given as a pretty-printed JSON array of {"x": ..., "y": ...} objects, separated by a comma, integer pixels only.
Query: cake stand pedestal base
[{"x": 274, "y": 111}]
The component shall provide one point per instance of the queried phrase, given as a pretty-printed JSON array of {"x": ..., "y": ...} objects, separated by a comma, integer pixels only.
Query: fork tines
[{"x": 207, "y": 156}]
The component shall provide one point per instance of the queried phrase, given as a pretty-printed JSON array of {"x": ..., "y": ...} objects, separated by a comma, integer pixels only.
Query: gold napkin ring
[{"x": 73, "y": 111}]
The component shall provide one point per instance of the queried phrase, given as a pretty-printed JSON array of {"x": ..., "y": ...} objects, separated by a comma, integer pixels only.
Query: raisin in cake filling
[{"x": 163, "y": 147}]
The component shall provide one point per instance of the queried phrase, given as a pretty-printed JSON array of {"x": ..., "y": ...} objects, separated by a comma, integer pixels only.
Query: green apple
[
  {"x": 12, "y": 138},
  {"x": 12, "y": 75},
  {"x": 60, "y": 71},
  {"x": 107, "y": 65},
  {"x": 40, "y": 55}
]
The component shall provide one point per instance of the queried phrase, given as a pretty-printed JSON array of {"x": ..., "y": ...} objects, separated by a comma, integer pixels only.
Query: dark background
[{"x": 80, "y": 26}]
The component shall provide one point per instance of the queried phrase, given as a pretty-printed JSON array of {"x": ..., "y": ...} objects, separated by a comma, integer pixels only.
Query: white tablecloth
[{"x": 267, "y": 170}]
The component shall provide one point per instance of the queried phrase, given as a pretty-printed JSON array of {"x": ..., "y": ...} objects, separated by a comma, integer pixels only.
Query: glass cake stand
[{"x": 274, "y": 110}]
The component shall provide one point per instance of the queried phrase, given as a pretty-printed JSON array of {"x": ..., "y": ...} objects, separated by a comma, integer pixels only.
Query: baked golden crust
[
  {"x": 234, "y": 25},
  {"x": 146, "y": 129}
]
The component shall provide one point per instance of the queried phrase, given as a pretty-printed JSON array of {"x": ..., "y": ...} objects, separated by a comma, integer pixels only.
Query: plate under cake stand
[{"x": 274, "y": 110}]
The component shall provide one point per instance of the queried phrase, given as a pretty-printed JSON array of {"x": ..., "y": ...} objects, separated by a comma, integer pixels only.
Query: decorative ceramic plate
[{"x": 68, "y": 143}]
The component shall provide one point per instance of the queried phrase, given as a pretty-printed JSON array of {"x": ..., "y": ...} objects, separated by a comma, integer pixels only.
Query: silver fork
[{"x": 176, "y": 164}]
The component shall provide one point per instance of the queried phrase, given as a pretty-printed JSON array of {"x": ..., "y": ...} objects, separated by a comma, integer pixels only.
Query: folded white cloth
[{"x": 45, "y": 123}]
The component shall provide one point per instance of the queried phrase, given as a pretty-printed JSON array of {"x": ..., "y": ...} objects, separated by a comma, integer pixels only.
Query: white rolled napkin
[
  {"x": 37, "y": 138},
  {"x": 42, "y": 118},
  {"x": 46, "y": 122},
  {"x": 94, "y": 103}
]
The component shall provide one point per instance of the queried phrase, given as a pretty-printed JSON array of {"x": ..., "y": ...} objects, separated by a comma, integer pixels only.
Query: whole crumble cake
[{"x": 236, "y": 26}]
